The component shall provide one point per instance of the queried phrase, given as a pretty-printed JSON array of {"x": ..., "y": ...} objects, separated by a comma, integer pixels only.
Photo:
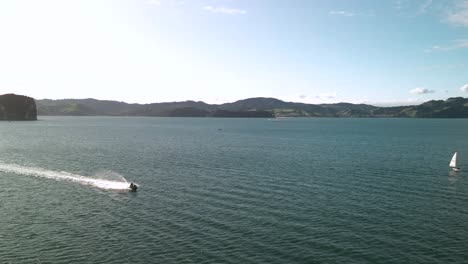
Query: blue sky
[{"x": 378, "y": 52}]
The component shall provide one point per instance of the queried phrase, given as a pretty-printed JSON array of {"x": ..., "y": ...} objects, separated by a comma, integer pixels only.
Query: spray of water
[
  {"x": 65, "y": 176},
  {"x": 110, "y": 175}
]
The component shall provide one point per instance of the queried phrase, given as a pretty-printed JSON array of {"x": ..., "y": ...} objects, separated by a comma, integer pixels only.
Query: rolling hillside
[{"x": 252, "y": 107}]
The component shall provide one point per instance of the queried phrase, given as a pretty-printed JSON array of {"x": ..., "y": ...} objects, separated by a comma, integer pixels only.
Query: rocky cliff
[{"x": 17, "y": 108}]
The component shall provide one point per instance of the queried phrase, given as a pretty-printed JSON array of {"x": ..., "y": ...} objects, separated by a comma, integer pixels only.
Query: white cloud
[
  {"x": 460, "y": 15},
  {"x": 224, "y": 10},
  {"x": 341, "y": 13},
  {"x": 464, "y": 88},
  {"x": 421, "y": 91}
]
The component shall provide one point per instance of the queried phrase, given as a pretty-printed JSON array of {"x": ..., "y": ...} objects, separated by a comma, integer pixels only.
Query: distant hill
[{"x": 252, "y": 107}]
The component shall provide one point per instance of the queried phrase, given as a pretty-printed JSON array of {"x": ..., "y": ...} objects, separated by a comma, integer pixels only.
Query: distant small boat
[{"x": 453, "y": 163}]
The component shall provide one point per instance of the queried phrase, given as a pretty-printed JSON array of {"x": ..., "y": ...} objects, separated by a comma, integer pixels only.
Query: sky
[{"x": 389, "y": 52}]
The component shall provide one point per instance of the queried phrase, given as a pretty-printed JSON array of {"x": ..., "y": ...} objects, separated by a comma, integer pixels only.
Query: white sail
[{"x": 453, "y": 162}]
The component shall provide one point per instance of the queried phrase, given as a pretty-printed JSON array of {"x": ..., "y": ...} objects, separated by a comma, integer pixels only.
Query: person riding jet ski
[{"x": 133, "y": 187}]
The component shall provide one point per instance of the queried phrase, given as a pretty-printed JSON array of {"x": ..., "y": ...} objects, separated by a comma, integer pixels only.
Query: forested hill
[{"x": 252, "y": 107}]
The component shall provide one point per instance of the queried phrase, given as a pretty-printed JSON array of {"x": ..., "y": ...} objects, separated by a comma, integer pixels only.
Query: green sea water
[{"x": 233, "y": 190}]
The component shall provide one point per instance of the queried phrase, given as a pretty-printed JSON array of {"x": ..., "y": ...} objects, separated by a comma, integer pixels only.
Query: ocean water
[{"x": 233, "y": 190}]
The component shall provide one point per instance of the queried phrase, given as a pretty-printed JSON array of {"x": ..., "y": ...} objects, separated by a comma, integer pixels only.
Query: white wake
[{"x": 64, "y": 176}]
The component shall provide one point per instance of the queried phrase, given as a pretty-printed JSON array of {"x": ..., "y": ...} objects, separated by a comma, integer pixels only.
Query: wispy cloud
[
  {"x": 398, "y": 4},
  {"x": 331, "y": 95},
  {"x": 421, "y": 91},
  {"x": 224, "y": 10},
  {"x": 425, "y": 6},
  {"x": 459, "y": 16},
  {"x": 344, "y": 13},
  {"x": 341, "y": 13},
  {"x": 464, "y": 88},
  {"x": 456, "y": 44},
  {"x": 415, "y": 8}
]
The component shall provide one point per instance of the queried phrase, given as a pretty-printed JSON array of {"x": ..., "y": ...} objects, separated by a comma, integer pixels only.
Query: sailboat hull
[{"x": 456, "y": 169}]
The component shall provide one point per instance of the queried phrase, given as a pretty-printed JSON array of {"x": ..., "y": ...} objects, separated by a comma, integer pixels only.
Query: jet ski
[{"x": 133, "y": 187}]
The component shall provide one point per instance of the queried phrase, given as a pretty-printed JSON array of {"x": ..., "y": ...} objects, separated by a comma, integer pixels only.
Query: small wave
[{"x": 64, "y": 176}]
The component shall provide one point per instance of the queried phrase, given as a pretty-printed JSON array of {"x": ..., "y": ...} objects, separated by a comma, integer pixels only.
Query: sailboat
[{"x": 453, "y": 163}]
